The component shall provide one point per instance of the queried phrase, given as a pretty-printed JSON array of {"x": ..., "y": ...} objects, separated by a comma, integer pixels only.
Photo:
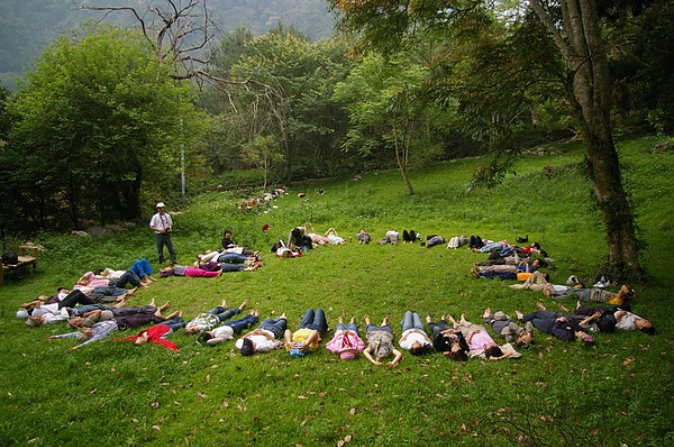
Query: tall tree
[
  {"x": 99, "y": 119},
  {"x": 576, "y": 31}
]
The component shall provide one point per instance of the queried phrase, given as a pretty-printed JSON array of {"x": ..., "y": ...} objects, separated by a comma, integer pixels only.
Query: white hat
[
  {"x": 160, "y": 205},
  {"x": 22, "y": 314}
]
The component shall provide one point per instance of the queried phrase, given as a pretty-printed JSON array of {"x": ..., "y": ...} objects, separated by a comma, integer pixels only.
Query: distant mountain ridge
[{"x": 27, "y": 27}]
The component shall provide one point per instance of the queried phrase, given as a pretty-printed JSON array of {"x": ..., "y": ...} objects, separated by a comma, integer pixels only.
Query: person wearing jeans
[
  {"x": 312, "y": 326},
  {"x": 229, "y": 328},
  {"x": 414, "y": 337},
  {"x": 211, "y": 319},
  {"x": 265, "y": 338}
]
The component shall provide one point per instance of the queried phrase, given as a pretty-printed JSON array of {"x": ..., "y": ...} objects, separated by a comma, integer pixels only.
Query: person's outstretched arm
[
  {"x": 368, "y": 356},
  {"x": 396, "y": 359}
]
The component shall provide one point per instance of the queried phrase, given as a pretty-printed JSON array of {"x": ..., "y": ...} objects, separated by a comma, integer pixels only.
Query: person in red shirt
[{"x": 158, "y": 333}]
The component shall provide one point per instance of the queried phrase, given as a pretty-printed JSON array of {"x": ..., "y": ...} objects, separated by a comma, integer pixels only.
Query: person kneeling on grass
[
  {"x": 306, "y": 339},
  {"x": 213, "y": 318},
  {"x": 414, "y": 337},
  {"x": 346, "y": 342},
  {"x": 380, "y": 343},
  {"x": 228, "y": 329},
  {"x": 447, "y": 340},
  {"x": 480, "y": 342},
  {"x": 266, "y": 337}
]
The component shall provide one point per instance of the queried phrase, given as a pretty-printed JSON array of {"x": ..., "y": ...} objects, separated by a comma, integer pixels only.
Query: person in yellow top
[{"x": 304, "y": 340}]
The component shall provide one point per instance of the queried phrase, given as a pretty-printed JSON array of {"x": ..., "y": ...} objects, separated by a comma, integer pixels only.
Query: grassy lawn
[{"x": 618, "y": 392}]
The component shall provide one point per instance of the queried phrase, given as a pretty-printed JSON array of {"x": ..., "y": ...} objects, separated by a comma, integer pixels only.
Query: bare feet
[
  {"x": 132, "y": 292},
  {"x": 463, "y": 318},
  {"x": 366, "y": 319},
  {"x": 385, "y": 321},
  {"x": 563, "y": 308},
  {"x": 173, "y": 315},
  {"x": 352, "y": 320},
  {"x": 540, "y": 305},
  {"x": 340, "y": 320},
  {"x": 152, "y": 303},
  {"x": 223, "y": 303},
  {"x": 487, "y": 313},
  {"x": 519, "y": 315},
  {"x": 255, "y": 313},
  {"x": 578, "y": 304},
  {"x": 165, "y": 306},
  {"x": 283, "y": 315},
  {"x": 428, "y": 319},
  {"x": 244, "y": 304}
]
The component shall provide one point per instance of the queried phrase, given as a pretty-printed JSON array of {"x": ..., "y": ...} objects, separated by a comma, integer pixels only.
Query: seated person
[
  {"x": 228, "y": 329},
  {"x": 561, "y": 326},
  {"x": 480, "y": 342},
  {"x": 507, "y": 328},
  {"x": 391, "y": 237},
  {"x": 414, "y": 337},
  {"x": 266, "y": 337},
  {"x": 298, "y": 239},
  {"x": 230, "y": 246},
  {"x": 306, "y": 338},
  {"x": 346, "y": 342},
  {"x": 157, "y": 334},
  {"x": 363, "y": 237},
  {"x": 447, "y": 340},
  {"x": 212, "y": 319},
  {"x": 380, "y": 343}
]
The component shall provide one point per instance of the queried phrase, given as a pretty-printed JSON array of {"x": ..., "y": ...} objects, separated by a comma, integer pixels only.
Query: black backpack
[{"x": 10, "y": 257}]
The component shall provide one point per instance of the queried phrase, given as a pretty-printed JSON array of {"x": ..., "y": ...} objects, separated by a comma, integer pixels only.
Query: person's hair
[
  {"x": 459, "y": 356},
  {"x": 227, "y": 230},
  {"x": 421, "y": 350},
  {"x": 247, "y": 347},
  {"x": 493, "y": 351},
  {"x": 205, "y": 336},
  {"x": 58, "y": 289},
  {"x": 650, "y": 330}
]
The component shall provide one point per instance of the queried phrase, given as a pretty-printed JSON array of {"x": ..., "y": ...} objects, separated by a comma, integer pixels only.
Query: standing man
[{"x": 162, "y": 224}]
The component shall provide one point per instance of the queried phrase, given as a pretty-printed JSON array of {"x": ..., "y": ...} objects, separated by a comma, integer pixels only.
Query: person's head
[
  {"x": 493, "y": 351},
  {"x": 347, "y": 354},
  {"x": 524, "y": 338},
  {"x": 459, "y": 355},
  {"x": 76, "y": 322},
  {"x": 166, "y": 271},
  {"x": 191, "y": 329},
  {"x": 548, "y": 290},
  {"x": 22, "y": 314},
  {"x": 420, "y": 349},
  {"x": 204, "y": 337},
  {"x": 87, "y": 332},
  {"x": 227, "y": 233},
  {"x": 84, "y": 281},
  {"x": 536, "y": 263},
  {"x": 161, "y": 208},
  {"x": 248, "y": 347},
  {"x": 626, "y": 292},
  {"x": 643, "y": 324},
  {"x": 33, "y": 322},
  {"x": 62, "y": 289},
  {"x": 103, "y": 272},
  {"x": 142, "y": 338}
]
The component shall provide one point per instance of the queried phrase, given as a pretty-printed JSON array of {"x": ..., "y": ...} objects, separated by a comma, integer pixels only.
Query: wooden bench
[{"x": 27, "y": 256}]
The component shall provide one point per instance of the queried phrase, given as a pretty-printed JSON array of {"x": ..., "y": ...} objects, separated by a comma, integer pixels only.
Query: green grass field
[{"x": 618, "y": 392}]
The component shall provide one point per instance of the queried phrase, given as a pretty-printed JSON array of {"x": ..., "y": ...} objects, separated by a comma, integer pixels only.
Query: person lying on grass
[
  {"x": 126, "y": 317},
  {"x": 40, "y": 313},
  {"x": 240, "y": 264},
  {"x": 539, "y": 282},
  {"x": 414, "y": 338},
  {"x": 562, "y": 326},
  {"x": 480, "y": 343},
  {"x": 346, "y": 343},
  {"x": 108, "y": 285},
  {"x": 228, "y": 329},
  {"x": 447, "y": 340},
  {"x": 181, "y": 270},
  {"x": 507, "y": 328},
  {"x": 306, "y": 339},
  {"x": 213, "y": 318},
  {"x": 380, "y": 343},
  {"x": 96, "y": 332},
  {"x": 141, "y": 272},
  {"x": 227, "y": 257},
  {"x": 623, "y": 298},
  {"x": 613, "y": 317},
  {"x": 363, "y": 237},
  {"x": 157, "y": 334},
  {"x": 266, "y": 337},
  {"x": 504, "y": 271}
]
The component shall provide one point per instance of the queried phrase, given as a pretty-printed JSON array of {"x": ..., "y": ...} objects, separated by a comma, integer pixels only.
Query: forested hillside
[{"x": 28, "y": 26}]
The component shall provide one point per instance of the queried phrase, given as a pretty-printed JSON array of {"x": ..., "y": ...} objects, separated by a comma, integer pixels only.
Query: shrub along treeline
[{"x": 96, "y": 132}]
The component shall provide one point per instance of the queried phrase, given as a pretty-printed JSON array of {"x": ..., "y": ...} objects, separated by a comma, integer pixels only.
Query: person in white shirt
[
  {"x": 227, "y": 330},
  {"x": 414, "y": 338},
  {"x": 266, "y": 337},
  {"x": 162, "y": 225}
]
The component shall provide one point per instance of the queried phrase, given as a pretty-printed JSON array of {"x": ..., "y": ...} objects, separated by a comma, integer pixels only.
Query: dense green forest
[{"x": 28, "y": 26}]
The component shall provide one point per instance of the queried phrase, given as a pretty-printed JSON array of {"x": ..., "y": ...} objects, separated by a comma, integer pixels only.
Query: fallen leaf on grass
[
  {"x": 302, "y": 397},
  {"x": 628, "y": 361},
  {"x": 156, "y": 428},
  {"x": 352, "y": 411},
  {"x": 347, "y": 438},
  {"x": 207, "y": 380},
  {"x": 30, "y": 441},
  {"x": 155, "y": 405},
  {"x": 92, "y": 392},
  {"x": 304, "y": 422},
  {"x": 202, "y": 395}
]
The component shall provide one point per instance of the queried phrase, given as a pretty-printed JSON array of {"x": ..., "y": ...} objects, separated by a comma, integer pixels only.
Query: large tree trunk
[{"x": 589, "y": 94}]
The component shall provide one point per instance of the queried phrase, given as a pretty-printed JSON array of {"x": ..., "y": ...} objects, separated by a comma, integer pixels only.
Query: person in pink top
[
  {"x": 479, "y": 341},
  {"x": 347, "y": 342},
  {"x": 181, "y": 270}
]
